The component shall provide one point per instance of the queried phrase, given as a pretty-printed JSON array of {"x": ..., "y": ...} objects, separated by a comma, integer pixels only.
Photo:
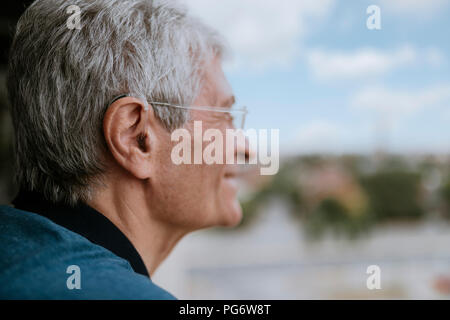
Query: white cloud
[
  {"x": 319, "y": 136},
  {"x": 416, "y": 7},
  {"x": 402, "y": 102},
  {"x": 328, "y": 136},
  {"x": 396, "y": 114},
  {"x": 364, "y": 62},
  {"x": 369, "y": 62},
  {"x": 261, "y": 34},
  {"x": 434, "y": 57}
]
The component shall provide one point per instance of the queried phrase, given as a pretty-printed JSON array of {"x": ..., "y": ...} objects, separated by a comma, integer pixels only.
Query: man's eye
[
  {"x": 226, "y": 117},
  {"x": 229, "y": 117}
]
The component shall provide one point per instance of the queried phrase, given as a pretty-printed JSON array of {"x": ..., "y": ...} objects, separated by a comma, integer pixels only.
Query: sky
[{"x": 313, "y": 70}]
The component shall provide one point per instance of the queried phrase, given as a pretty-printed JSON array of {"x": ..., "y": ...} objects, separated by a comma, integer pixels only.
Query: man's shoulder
[{"x": 42, "y": 260}]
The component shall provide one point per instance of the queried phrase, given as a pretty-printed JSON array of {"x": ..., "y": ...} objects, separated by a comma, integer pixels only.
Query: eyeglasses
[{"x": 234, "y": 116}]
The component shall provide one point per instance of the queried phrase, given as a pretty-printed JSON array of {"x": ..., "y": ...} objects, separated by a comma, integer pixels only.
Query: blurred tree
[
  {"x": 445, "y": 193},
  {"x": 346, "y": 196},
  {"x": 394, "y": 194},
  {"x": 283, "y": 185},
  {"x": 332, "y": 216}
]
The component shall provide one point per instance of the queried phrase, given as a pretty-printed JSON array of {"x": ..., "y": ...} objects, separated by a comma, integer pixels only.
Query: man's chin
[{"x": 232, "y": 216}]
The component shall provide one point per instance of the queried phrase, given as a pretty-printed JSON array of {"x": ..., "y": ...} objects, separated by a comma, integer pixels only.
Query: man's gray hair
[{"x": 61, "y": 80}]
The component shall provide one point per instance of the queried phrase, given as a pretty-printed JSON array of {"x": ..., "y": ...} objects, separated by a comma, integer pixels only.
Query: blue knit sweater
[{"x": 36, "y": 256}]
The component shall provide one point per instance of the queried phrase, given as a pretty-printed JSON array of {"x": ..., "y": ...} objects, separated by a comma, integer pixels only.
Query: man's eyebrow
[{"x": 228, "y": 103}]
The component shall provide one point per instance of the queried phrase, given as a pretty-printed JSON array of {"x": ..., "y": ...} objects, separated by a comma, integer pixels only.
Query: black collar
[{"x": 85, "y": 221}]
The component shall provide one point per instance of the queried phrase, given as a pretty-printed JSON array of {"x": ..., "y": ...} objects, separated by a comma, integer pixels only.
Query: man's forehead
[{"x": 216, "y": 88}]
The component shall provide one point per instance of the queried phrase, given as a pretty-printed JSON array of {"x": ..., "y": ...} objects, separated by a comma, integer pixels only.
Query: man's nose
[{"x": 242, "y": 150}]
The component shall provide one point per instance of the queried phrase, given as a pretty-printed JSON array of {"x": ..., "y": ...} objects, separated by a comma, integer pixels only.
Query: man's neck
[{"x": 153, "y": 239}]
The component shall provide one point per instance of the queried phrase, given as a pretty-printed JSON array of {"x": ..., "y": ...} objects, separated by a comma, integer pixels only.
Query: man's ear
[{"x": 127, "y": 133}]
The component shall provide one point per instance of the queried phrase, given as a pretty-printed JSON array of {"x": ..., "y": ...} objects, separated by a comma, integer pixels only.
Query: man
[{"x": 101, "y": 202}]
